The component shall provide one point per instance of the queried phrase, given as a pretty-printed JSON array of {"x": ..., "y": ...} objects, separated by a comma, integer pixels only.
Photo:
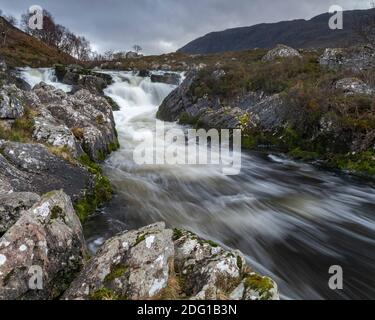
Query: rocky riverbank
[
  {"x": 51, "y": 144},
  {"x": 316, "y": 106}
]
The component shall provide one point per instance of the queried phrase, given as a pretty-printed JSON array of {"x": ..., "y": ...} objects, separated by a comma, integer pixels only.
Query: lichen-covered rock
[
  {"x": 355, "y": 58},
  {"x": 33, "y": 168},
  {"x": 47, "y": 243},
  {"x": 132, "y": 265},
  {"x": 249, "y": 110},
  {"x": 158, "y": 263},
  {"x": 281, "y": 51},
  {"x": 353, "y": 86},
  {"x": 82, "y": 121},
  {"x": 255, "y": 287},
  {"x": 48, "y": 130},
  {"x": 12, "y": 205},
  {"x": 210, "y": 272},
  {"x": 11, "y": 106}
]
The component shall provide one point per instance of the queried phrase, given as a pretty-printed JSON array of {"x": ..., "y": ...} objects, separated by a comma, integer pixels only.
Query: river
[{"x": 293, "y": 221}]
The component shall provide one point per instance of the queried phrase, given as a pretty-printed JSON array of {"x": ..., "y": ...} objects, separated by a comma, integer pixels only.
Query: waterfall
[{"x": 34, "y": 76}]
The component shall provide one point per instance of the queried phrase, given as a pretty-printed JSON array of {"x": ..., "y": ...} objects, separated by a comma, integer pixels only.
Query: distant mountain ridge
[{"x": 313, "y": 33}]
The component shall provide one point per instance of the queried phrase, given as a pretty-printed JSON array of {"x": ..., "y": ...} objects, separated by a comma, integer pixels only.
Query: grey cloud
[{"x": 165, "y": 25}]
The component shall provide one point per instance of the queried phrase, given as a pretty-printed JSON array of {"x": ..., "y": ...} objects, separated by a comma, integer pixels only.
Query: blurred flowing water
[{"x": 291, "y": 220}]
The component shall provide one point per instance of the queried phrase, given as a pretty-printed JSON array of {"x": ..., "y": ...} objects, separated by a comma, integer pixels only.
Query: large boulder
[
  {"x": 356, "y": 59},
  {"x": 167, "y": 78},
  {"x": 352, "y": 86},
  {"x": 81, "y": 78},
  {"x": 82, "y": 121},
  {"x": 251, "y": 109},
  {"x": 33, "y": 168},
  {"x": 281, "y": 51},
  {"x": 132, "y": 265},
  {"x": 158, "y": 263},
  {"x": 11, "y": 106},
  {"x": 42, "y": 252}
]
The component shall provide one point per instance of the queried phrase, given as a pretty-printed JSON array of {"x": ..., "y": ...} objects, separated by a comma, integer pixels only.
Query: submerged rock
[
  {"x": 42, "y": 252},
  {"x": 158, "y": 263}
]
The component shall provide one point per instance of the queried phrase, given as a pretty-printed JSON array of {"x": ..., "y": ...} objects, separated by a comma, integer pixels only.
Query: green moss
[
  {"x": 101, "y": 194},
  {"x": 104, "y": 294},
  {"x": 177, "y": 234},
  {"x": 262, "y": 285},
  {"x": 100, "y": 155},
  {"x": 56, "y": 212},
  {"x": 103, "y": 189},
  {"x": 212, "y": 243},
  {"x": 248, "y": 142},
  {"x": 303, "y": 155},
  {"x": 185, "y": 118},
  {"x": 60, "y": 71},
  {"x": 239, "y": 262},
  {"x": 116, "y": 272},
  {"x": 113, "y": 146},
  {"x": 21, "y": 130},
  {"x": 140, "y": 239},
  {"x": 100, "y": 119},
  {"x": 112, "y": 103},
  {"x": 363, "y": 162},
  {"x": 93, "y": 167}
]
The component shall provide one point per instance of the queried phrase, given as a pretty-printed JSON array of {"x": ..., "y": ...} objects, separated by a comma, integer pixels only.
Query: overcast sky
[{"x": 161, "y": 26}]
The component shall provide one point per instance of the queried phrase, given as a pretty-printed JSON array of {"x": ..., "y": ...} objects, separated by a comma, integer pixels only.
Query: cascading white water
[
  {"x": 34, "y": 76},
  {"x": 291, "y": 220}
]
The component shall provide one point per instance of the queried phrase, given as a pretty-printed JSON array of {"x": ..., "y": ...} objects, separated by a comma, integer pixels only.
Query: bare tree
[
  {"x": 137, "y": 48},
  {"x": 6, "y": 25},
  {"x": 58, "y": 36}
]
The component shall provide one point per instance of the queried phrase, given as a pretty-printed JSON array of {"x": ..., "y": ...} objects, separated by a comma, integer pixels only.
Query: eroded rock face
[
  {"x": 46, "y": 242},
  {"x": 158, "y": 263},
  {"x": 10, "y": 103},
  {"x": 281, "y": 51},
  {"x": 33, "y": 168}
]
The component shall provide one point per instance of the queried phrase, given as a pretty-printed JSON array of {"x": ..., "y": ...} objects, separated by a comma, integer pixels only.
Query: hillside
[
  {"x": 21, "y": 49},
  {"x": 313, "y": 33}
]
